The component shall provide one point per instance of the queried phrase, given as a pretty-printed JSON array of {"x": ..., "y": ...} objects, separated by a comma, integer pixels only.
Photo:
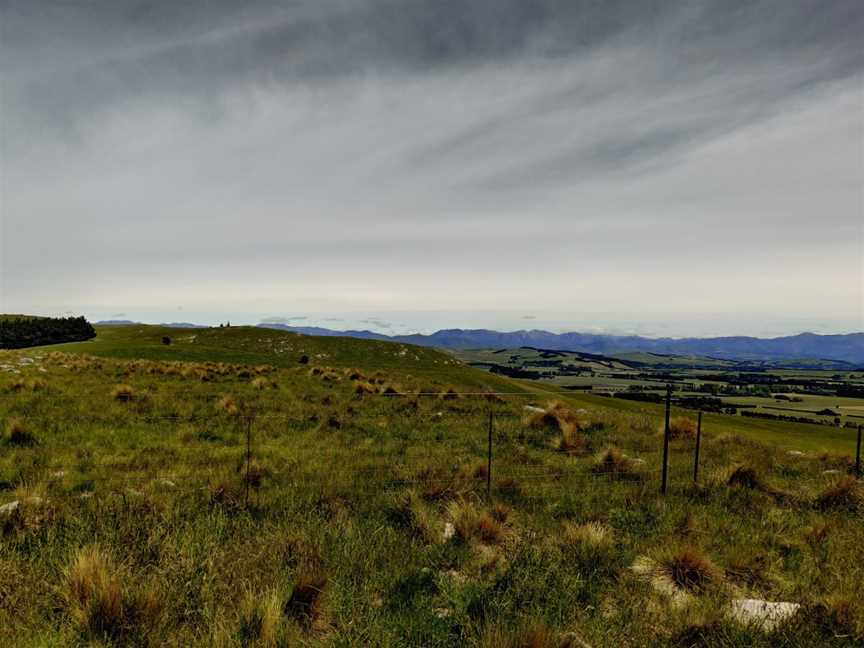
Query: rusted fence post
[{"x": 666, "y": 440}]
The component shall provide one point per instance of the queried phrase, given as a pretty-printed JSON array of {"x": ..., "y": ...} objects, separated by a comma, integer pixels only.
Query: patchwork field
[
  {"x": 827, "y": 396},
  {"x": 215, "y": 491}
]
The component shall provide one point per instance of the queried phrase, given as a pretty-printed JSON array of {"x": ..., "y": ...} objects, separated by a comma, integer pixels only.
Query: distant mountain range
[
  {"x": 844, "y": 348},
  {"x": 166, "y": 325}
]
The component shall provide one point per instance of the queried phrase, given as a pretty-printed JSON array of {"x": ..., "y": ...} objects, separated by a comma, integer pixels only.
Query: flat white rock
[
  {"x": 531, "y": 408},
  {"x": 8, "y": 508},
  {"x": 766, "y": 614}
]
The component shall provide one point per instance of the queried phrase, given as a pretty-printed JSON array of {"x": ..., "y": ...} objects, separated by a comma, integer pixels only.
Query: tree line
[{"x": 20, "y": 332}]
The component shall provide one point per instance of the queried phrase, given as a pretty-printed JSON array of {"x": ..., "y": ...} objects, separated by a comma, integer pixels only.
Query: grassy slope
[
  {"x": 259, "y": 346},
  {"x": 251, "y": 345},
  {"x": 360, "y": 490}
]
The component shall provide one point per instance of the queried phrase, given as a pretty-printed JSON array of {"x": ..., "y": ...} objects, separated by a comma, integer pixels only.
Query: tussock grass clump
[
  {"x": 840, "y": 615},
  {"x": 555, "y": 416},
  {"x": 94, "y": 593},
  {"x": 680, "y": 427},
  {"x": 260, "y": 383},
  {"x": 226, "y": 491},
  {"x": 363, "y": 388},
  {"x": 573, "y": 443},
  {"x": 228, "y": 405},
  {"x": 410, "y": 513},
  {"x": 448, "y": 394},
  {"x": 124, "y": 393},
  {"x": 17, "y": 433},
  {"x": 38, "y": 384},
  {"x": 688, "y": 568},
  {"x": 613, "y": 463},
  {"x": 305, "y": 604},
  {"x": 744, "y": 477},
  {"x": 592, "y": 534},
  {"x": 15, "y": 385},
  {"x": 260, "y": 618},
  {"x": 749, "y": 568},
  {"x": 843, "y": 493},
  {"x": 471, "y": 523}
]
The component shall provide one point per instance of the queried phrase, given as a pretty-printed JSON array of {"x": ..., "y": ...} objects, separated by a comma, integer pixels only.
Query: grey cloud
[{"x": 425, "y": 152}]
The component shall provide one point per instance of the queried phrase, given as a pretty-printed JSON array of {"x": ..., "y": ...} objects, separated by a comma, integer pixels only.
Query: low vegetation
[{"x": 154, "y": 502}]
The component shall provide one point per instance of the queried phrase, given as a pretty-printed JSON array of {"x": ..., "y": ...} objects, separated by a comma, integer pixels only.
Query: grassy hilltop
[{"x": 126, "y": 520}]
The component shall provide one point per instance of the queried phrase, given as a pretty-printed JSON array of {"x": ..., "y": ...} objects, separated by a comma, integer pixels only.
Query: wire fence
[{"x": 474, "y": 442}]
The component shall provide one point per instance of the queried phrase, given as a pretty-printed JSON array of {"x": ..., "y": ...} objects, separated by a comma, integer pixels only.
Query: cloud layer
[{"x": 645, "y": 160}]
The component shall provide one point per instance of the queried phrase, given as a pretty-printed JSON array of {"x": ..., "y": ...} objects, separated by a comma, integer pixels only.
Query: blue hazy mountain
[{"x": 844, "y": 348}]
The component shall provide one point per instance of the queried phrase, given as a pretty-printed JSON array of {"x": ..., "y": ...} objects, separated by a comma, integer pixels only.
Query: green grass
[{"x": 354, "y": 495}]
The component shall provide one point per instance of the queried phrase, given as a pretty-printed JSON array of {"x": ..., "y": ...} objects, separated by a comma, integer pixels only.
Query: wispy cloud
[{"x": 372, "y": 156}]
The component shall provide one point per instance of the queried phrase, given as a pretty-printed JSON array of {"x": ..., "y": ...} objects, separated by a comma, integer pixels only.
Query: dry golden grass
[
  {"x": 124, "y": 393},
  {"x": 612, "y": 462},
  {"x": 591, "y": 534},
  {"x": 555, "y": 416},
  {"x": 228, "y": 405},
  {"x": 573, "y": 443},
  {"x": 680, "y": 427},
  {"x": 688, "y": 568},
  {"x": 845, "y": 492},
  {"x": 38, "y": 384},
  {"x": 471, "y": 523},
  {"x": 260, "y": 618},
  {"x": 362, "y": 388},
  {"x": 94, "y": 593}
]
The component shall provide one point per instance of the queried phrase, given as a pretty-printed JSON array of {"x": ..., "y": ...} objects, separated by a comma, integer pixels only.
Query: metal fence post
[
  {"x": 858, "y": 455},
  {"x": 248, "y": 453},
  {"x": 698, "y": 442},
  {"x": 666, "y": 440},
  {"x": 489, "y": 459}
]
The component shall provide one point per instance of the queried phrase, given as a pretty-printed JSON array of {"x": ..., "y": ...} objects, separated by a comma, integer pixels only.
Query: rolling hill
[{"x": 846, "y": 350}]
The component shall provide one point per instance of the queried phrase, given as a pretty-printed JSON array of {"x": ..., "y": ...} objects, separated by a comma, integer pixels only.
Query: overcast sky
[{"x": 691, "y": 167}]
